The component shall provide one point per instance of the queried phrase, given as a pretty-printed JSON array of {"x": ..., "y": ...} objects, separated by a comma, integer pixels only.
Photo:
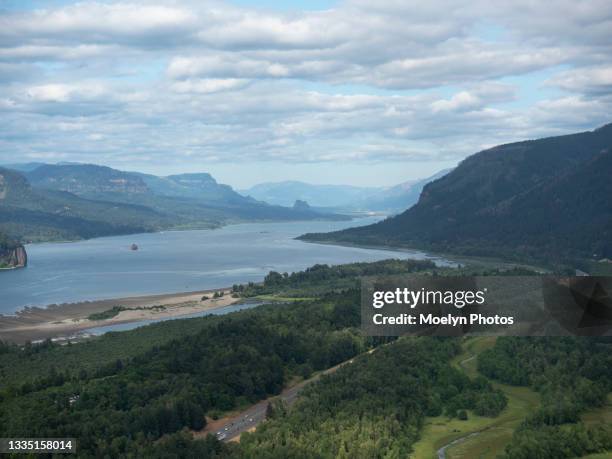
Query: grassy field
[
  {"x": 601, "y": 415},
  {"x": 492, "y": 441},
  {"x": 493, "y": 433}
]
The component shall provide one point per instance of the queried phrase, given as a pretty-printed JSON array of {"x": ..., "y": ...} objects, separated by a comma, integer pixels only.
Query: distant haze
[{"x": 387, "y": 199}]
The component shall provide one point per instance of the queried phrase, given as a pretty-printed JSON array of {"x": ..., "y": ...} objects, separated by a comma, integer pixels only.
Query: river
[{"x": 174, "y": 261}]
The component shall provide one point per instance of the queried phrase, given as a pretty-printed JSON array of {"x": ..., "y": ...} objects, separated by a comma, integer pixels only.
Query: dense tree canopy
[
  {"x": 572, "y": 375},
  {"x": 141, "y": 393}
]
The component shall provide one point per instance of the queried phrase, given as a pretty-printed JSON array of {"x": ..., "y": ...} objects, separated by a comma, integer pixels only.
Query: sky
[{"x": 353, "y": 92}]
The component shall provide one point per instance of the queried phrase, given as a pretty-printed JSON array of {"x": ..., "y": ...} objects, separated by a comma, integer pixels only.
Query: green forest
[
  {"x": 375, "y": 406},
  {"x": 572, "y": 375},
  {"x": 143, "y": 393},
  {"x": 7, "y": 243}
]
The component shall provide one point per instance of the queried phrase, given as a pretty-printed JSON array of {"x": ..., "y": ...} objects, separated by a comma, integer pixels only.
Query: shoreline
[
  {"x": 67, "y": 319},
  {"x": 448, "y": 258},
  {"x": 11, "y": 268}
]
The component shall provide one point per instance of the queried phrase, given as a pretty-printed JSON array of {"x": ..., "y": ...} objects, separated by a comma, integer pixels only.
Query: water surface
[
  {"x": 173, "y": 261},
  {"x": 96, "y": 331}
]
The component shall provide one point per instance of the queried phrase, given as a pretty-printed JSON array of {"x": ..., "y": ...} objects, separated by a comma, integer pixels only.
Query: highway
[{"x": 251, "y": 417}]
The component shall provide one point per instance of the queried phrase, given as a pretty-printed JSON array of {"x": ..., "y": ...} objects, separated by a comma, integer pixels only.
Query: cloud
[
  {"x": 224, "y": 66},
  {"x": 385, "y": 45},
  {"x": 50, "y": 93},
  {"x": 54, "y": 52},
  {"x": 209, "y": 85},
  {"x": 463, "y": 101},
  {"x": 571, "y": 113},
  {"x": 243, "y": 29},
  {"x": 460, "y": 63},
  {"x": 10, "y": 72},
  {"x": 87, "y": 98},
  {"x": 91, "y": 22},
  {"x": 65, "y": 92},
  {"x": 182, "y": 81},
  {"x": 476, "y": 98},
  {"x": 595, "y": 81}
]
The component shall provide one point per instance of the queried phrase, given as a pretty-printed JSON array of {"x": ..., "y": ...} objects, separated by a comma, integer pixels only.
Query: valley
[{"x": 329, "y": 229}]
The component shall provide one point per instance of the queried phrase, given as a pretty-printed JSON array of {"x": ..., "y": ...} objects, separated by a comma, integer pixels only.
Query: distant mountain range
[
  {"x": 548, "y": 198},
  {"x": 73, "y": 201},
  {"x": 342, "y": 197},
  {"x": 399, "y": 197}
]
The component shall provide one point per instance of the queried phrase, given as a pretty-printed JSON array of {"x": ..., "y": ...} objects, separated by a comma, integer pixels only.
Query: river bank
[{"x": 54, "y": 321}]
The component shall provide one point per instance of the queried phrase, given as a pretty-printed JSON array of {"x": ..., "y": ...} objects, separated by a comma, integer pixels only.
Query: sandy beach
[{"x": 32, "y": 324}]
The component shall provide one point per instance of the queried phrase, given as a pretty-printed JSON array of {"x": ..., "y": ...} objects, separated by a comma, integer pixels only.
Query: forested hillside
[
  {"x": 6, "y": 243},
  {"x": 118, "y": 403},
  {"x": 540, "y": 199},
  {"x": 37, "y": 214},
  {"x": 239, "y": 359},
  {"x": 375, "y": 406},
  {"x": 142, "y": 393},
  {"x": 76, "y": 201}
]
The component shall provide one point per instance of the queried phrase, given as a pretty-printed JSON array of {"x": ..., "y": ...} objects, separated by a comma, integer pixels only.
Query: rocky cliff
[{"x": 13, "y": 256}]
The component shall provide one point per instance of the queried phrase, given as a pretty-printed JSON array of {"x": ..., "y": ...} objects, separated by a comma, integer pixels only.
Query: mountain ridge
[
  {"x": 513, "y": 200},
  {"x": 74, "y": 201}
]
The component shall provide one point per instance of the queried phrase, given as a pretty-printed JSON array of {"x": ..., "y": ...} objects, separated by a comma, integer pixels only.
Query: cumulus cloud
[
  {"x": 55, "y": 52},
  {"x": 208, "y": 85},
  {"x": 595, "y": 81},
  {"x": 91, "y": 22},
  {"x": 65, "y": 92},
  {"x": 363, "y": 81}
]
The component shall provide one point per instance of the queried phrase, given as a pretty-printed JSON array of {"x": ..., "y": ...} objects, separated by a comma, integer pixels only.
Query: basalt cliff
[{"x": 12, "y": 254}]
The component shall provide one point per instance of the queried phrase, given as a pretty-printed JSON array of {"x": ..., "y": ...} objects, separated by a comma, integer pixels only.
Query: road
[
  {"x": 251, "y": 417},
  {"x": 442, "y": 451}
]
